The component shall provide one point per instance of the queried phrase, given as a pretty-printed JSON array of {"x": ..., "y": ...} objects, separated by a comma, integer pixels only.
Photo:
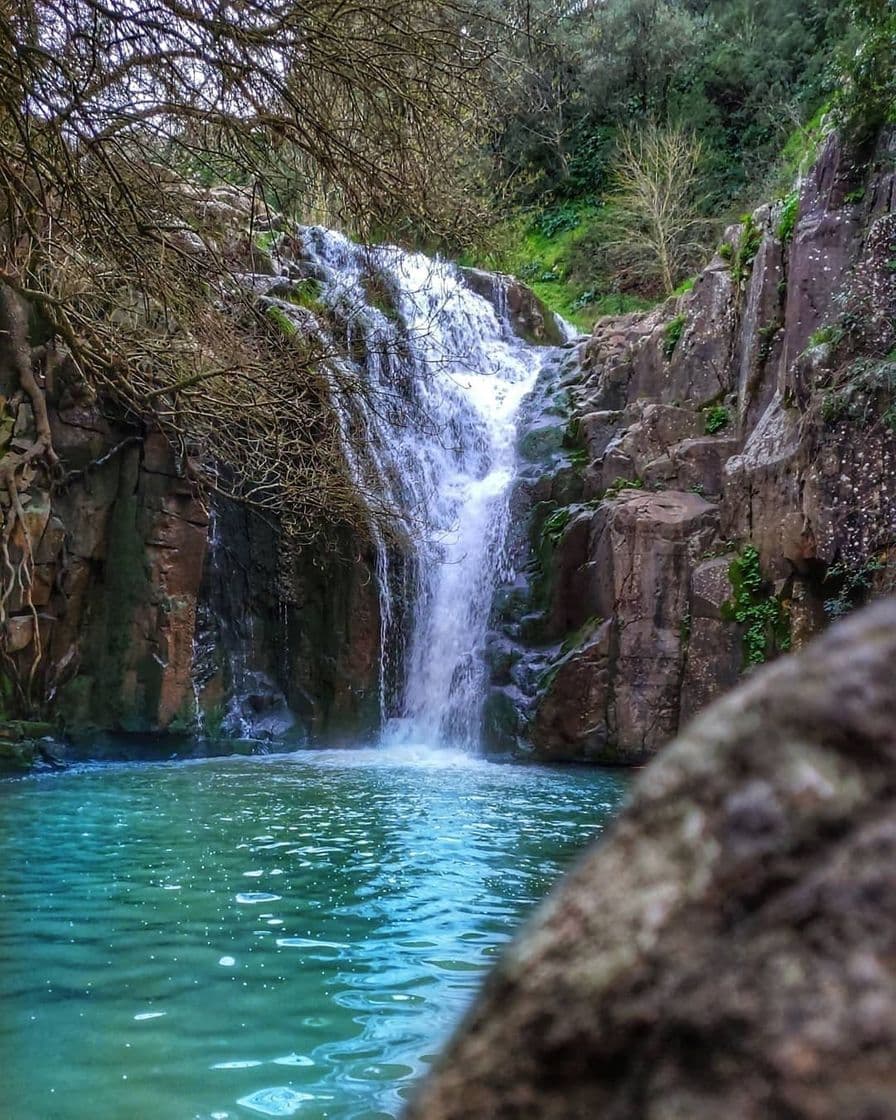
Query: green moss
[
  {"x": 754, "y": 606},
  {"x": 577, "y": 637},
  {"x": 716, "y": 419},
  {"x": 281, "y": 321},
  {"x": 110, "y": 690},
  {"x": 672, "y": 334},
  {"x": 789, "y": 212}
]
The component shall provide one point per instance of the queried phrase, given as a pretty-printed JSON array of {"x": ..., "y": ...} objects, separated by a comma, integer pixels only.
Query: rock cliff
[{"x": 706, "y": 485}]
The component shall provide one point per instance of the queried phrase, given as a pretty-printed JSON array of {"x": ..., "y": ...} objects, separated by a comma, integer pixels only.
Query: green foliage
[
  {"x": 557, "y": 219},
  {"x": 747, "y": 248},
  {"x": 620, "y": 484},
  {"x": 553, "y": 527},
  {"x": 789, "y": 213},
  {"x": 265, "y": 240},
  {"x": 825, "y": 336},
  {"x": 281, "y": 321},
  {"x": 560, "y": 260},
  {"x": 866, "y": 393},
  {"x": 672, "y": 334},
  {"x": 754, "y": 606},
  {"x": 307, "y": 294},
  {"x": 600, "y": 303},
  {"x": 685, "y": 286},
  {"x": 736, "y": 71},
  {"x": 716, "y": 419},
  {"x": 802, "y": 146},
  {"x": 851, "y": 585},
  {"x": 212, "y": 721},
  {"x": 867, "y": 95}
]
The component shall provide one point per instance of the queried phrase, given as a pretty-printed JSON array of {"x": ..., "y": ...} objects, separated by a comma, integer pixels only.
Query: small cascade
[{"x": 428, "y": 429}]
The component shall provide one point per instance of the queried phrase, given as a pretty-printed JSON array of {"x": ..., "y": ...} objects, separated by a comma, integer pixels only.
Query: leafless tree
[{"x": 660, "y": 229}]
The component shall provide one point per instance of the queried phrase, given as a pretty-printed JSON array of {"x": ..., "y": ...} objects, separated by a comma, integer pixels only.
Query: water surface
[{"x": 250, "y": 937}]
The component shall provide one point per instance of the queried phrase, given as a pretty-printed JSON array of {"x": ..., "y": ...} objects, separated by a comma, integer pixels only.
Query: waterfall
[{"x": 432, "y": 433}]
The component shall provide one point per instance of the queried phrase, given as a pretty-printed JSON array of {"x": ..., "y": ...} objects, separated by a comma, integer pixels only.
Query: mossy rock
[{"x": 541, "y": 442}]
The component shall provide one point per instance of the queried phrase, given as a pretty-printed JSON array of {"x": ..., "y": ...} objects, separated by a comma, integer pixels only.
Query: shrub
[
  {"x": 557, "y": 219},
  {"x": 852, "y": 586},
  {"x": 716, "y": 419}
]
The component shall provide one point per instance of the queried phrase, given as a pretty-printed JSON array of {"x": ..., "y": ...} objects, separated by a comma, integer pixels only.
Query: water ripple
[{"x": 135, "y": 962}]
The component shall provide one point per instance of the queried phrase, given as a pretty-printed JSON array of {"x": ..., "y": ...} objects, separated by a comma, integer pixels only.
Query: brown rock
[{"x": 571, "y": 723}]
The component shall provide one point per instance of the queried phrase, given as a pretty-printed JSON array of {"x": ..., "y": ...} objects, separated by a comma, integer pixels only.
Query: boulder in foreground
[{"x": 730, "y": 949}]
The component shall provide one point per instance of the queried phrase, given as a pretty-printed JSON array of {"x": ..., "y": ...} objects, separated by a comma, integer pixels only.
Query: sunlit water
[{"x": 298, "y": 934}]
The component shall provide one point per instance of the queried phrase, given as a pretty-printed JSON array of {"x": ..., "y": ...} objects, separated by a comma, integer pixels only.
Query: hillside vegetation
[{"x": 753, "y": 86}]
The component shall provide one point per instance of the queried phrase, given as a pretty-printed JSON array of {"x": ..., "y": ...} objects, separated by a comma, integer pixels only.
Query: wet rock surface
[{"x": 729, "y": 948}]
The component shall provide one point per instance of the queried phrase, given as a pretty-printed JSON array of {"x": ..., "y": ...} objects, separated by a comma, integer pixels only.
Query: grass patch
[
  {"x": 551, "y": 250},
  {"x": 619, "y": 484},
  {"x": 281, "y": 321},
  {"x": 307, "y": 294}
]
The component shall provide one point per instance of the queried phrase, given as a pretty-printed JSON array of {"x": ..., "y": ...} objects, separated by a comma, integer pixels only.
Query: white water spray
[{"x": 446, "y": 377}]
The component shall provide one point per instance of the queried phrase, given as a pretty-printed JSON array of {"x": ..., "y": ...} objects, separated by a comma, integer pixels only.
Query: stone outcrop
[
  {"x": 149, "y": 622},
  {"x": 756, "y": 412},
  {"x": 728, "y": 949},
  {"x": 525, "y": 312}
]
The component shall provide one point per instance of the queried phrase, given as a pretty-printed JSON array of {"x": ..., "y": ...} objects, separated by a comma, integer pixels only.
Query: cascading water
[{"x": 431, "y": 433}]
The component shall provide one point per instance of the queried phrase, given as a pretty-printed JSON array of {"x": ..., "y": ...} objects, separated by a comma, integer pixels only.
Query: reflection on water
[{"x": 262, "y": 937}]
